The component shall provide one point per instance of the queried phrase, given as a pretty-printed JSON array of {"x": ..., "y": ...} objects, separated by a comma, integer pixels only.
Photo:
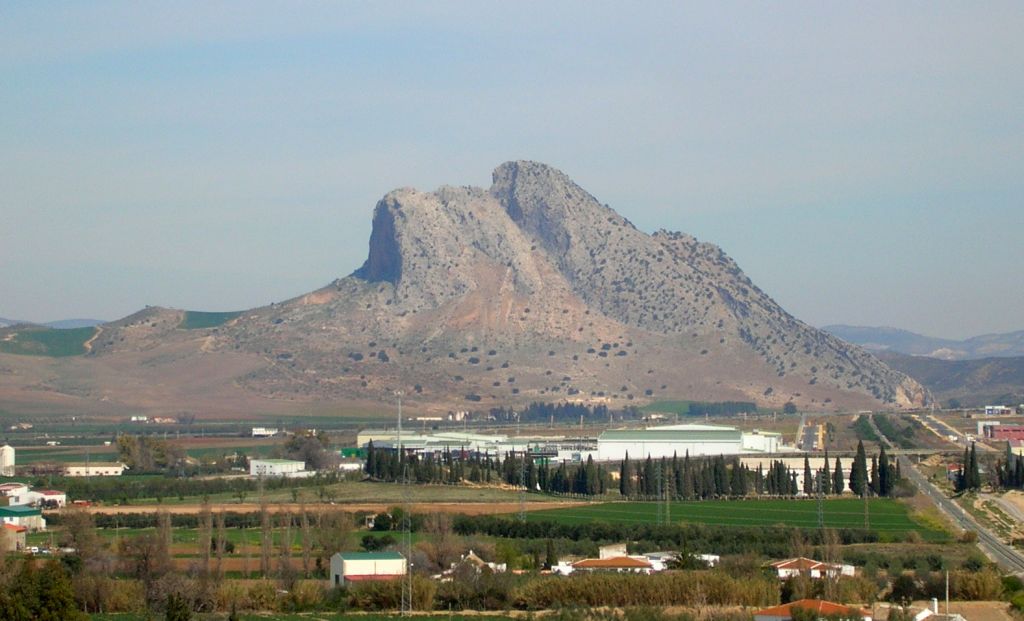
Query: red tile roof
[
  {"x": 817, "y": 605},
  {"x": 616, "y": 562}
]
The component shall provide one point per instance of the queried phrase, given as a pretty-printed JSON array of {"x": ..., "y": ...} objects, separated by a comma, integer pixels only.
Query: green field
[
  {"x": 197, "y": 320},
  {"x": 46, "y": 341},
  {"x": 668, "y": 407},
  {"x": 68, "y": 455},
  {"x": 884, "y": 515}
]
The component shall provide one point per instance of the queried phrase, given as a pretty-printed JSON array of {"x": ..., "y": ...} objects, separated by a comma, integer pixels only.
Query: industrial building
[
  {"x": 287, "y": 468},
  {"x": 94, "y": 469},
  {"x": 494, "y": 445},
  {"x": 611, "y": 445},
  {"x": 679, "y": 440},
  {"x": 364, "y": 566}
]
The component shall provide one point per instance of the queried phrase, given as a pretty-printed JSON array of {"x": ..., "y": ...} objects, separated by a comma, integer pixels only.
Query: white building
[
  {"x": 279, "y": 468},
  {"x": 95, "y": 469},
  {"x": 793, "y": 567},
  {"x": 6, "y": 461},
  {"x": 23, "y": 515},
  {"x": 364, "y": 566},
  {"x": 678, "y": 440},
  {"x": 47, "y": 497},
  {"x": 264, "y": 432},
  {"x": 14, "y": 494},
  {"x": 998, "y": 410}
]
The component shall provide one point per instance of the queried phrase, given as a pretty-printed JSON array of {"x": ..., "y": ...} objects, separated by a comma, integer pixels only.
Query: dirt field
[{"x": 418, "y": 507}]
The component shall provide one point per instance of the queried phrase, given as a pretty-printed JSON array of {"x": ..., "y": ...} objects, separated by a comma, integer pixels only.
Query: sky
[{"x": 863, "y": 162}]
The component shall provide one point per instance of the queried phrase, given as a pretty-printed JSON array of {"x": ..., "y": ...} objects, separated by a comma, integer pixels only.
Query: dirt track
[{"x": 419, "y": 507}]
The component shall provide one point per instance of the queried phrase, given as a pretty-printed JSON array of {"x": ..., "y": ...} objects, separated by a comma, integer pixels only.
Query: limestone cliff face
[{"x": 532, "y": 289}]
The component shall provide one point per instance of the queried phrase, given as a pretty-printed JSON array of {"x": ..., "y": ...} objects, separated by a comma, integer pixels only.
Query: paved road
[{"x": 1004, "y": 555}]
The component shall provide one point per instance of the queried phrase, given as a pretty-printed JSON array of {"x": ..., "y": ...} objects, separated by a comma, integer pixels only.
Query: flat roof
[
  {"x": 371, "y": 556},
  {"x": 279, "y": 462},
  {"x": 19, "y": 511},
  {"x": 723, "y": 434}
]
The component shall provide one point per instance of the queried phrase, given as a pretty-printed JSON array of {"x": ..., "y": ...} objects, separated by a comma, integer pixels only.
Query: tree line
[{"x": 674, "y": 478}]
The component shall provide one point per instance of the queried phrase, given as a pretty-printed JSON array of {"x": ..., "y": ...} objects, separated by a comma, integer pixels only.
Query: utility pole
[
  {"x": 522, "y": 485},
  {"x": 661, "y": 493},
  {"x": 405, "y": 607}
]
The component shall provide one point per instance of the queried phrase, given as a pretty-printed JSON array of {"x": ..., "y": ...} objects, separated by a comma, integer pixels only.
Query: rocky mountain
[
  {"x": 969, "y": 383},
  {"x": 530, "y": 290},
  {"x": 878, "y": 339}
]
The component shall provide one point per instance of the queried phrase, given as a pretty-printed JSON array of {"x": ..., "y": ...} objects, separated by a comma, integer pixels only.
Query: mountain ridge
[
  {"x": 994, "y": 345},
  {"x": 528, "y": 290}
]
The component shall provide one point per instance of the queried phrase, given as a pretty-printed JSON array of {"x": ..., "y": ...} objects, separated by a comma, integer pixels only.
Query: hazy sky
[{"x": 864, "y": 163}]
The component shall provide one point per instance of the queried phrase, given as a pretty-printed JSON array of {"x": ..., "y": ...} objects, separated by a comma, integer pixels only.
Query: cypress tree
[
  {"x": 885, "y": 482},
  {"x": 859, "y": 471},
  {"x": 808, "y": 478},
  {"x": 826, "y": 478},
  {"x": 876, "y": 484},
  {"x": 973, "y": 471},
  {"x": 626, "y": 478},
  {"x": 838, "y": 482}
]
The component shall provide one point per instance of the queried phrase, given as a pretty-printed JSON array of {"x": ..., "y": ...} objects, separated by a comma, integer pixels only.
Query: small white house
[
  {"x": 14, "y": 494},
  {"x": 365, "y": 566},
  {"x": 287, "y": 468}
]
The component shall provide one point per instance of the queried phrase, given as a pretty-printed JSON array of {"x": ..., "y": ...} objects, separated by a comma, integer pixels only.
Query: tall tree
[
  {"x": 826, "y": 477},
  {"x": 859, "y": 471},
  {"x": 885, "y": 475},
  {"x": 808, "y": 477},
  {"x": 838, "y": 480}
]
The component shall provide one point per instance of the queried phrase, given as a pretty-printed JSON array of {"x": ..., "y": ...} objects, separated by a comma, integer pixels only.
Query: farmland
[
  {"x": 35, "y": 341},
  {"x": 883, "y": 515},
  {"x": 198, "y": 320}
]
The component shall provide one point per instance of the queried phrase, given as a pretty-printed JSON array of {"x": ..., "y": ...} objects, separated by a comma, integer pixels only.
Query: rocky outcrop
[{"x": 532, "y": 289}]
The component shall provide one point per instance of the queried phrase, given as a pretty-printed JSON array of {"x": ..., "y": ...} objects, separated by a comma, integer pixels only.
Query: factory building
[
  {"x": 288, "y": 468},
  {"x": 669, "y": 440},
  {"x": 463, "y": 444}
]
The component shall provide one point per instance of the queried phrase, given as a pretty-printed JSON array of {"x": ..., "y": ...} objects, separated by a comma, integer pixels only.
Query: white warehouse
[
  {"x": 366, "y": 566},
  {"x": 278, "y": 468},
  {"x": 669, "y": 440}
]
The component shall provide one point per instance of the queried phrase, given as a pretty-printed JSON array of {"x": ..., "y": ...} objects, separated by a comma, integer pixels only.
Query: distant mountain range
[
  {"x": 62, "y": 324},
  {"x": 880, "y": 339},
  {"x": 969, "y": 383}
]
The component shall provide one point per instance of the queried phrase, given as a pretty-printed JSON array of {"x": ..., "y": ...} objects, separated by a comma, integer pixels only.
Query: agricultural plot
[
  {"x": 45, "y": 341},
  {"x": 884, "y": 516},
  {"x": 198, "y": 320}
]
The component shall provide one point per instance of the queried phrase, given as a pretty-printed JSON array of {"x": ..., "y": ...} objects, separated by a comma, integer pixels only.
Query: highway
[{"x": 1003, "y": 554}]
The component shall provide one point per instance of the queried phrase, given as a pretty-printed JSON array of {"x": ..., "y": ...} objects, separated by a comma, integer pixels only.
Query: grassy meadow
[{"x": 885, "y": 516}]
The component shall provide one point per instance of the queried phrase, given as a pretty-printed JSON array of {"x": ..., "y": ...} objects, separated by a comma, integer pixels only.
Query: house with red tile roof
[
  {"x": 802, "y": 566},
  {"x": 614, "y": 564}
]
